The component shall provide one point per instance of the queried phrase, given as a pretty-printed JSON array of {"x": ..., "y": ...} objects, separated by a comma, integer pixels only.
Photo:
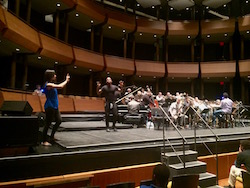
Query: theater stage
[{"x": 85, "y": 146}]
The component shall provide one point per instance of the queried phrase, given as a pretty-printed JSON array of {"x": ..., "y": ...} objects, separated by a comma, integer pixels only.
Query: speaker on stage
[
  {"x": 18, "y": 131},
  {"x": 16, "y": 108}
]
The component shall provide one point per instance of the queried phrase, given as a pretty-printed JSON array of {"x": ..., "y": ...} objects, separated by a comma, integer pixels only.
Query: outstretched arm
[{"x": 61, "y": 85}]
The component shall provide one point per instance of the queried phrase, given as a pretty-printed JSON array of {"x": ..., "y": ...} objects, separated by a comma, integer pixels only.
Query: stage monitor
[{"x": 16, "y": 108}]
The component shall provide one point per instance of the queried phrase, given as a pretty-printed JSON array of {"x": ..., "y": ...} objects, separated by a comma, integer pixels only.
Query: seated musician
[
  {"x": 160, "y": 98},
  {"x": 127, "y": 95},
  {"x": 147, "y": 100},
  {"x": 133, "y": 106},
  {"x": 225, "y": 107},
  {"x": 176, "y": 110}
]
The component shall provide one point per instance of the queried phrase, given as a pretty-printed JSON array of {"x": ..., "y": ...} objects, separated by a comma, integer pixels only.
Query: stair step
[
  {"x": 176, "y": 147},
  {"x": 207, "y": 179},
  {"x": 193, "y": 167},
  {"x": 171, "y": 157}
]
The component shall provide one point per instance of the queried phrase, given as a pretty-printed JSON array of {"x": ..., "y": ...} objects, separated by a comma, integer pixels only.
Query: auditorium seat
[
  {"x": 189, "y": 180},
  {"x": 246, "y": 179},
  {"x": 121, "y": 185}
]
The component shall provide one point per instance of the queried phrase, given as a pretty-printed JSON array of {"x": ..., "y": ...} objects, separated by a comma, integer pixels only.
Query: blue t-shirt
[{"x": 51, "y": 96}]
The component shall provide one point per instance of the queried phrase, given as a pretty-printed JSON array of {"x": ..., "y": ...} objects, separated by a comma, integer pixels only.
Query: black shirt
[
  {"x": 243, "y": 158},
  {"x": 109, "y": 92}
]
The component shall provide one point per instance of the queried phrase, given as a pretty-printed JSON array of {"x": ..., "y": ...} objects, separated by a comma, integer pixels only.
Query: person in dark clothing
[
  {"x": 243, "y": 158},
  {"x": 161, "y": 174},
  {"x": 51, "y": 104},
  {"x": 109, "y": 92}
]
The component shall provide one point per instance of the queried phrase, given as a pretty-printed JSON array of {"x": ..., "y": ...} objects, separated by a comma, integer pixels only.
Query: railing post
[
  {"x": 184, "y": 158},
  {"x": 216, "y": 150}
]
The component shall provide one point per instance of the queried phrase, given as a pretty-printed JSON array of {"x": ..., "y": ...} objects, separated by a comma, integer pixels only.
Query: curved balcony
[
  {"x": 150, "y": 68},
  {"x": 183, "y": 70}
]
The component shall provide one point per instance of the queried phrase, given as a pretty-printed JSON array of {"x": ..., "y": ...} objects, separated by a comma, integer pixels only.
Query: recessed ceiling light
[
  {"x": 39, "y": 57},
  {"x": 171, "y": 8},
  {"x": 120, "y": 1},
  {"x": 56, "y": 62},
  {"x": 208, "y": 36},
  {"x": 90, "y": 70},
  {"x": 225, "y": 5},
  {"x": 58, "y": 4},
  {"x": 208, "y": 78},
  {"x": 122, "y": 74},
  {"x": 107, "y": 72},
  {"x": 188, "y": 78},
  {"x": 187, "y": 8},
  {"x": 77, "y": 14},
  {"x": 75, "y": 67},
  {"x": 124, "y": 31},
  {"x": 172, "y": 78},
  {"x": 207, "y": 7},
  {"x": 225, "y": 34},
  {"x": 139, "y": 76},
  {"x": 140, "y": 34},
  {"x": 246, "y": 1},
  {"x": 92, "y": 21},
  {"x": 153, "y": 6},
  {"x": 137, "y": 4},
  {"x": 0, "y": 41},
  {"x": 109, "y": 27},
  {"x": 155, "y": 35},
  {"x": 17, "y": 49},
  {"x": 189, "y": 37},
  {"x": 248, "y": 32},
  {"x": 225, "y": 77},
  {"x": 154, "y": 76}
]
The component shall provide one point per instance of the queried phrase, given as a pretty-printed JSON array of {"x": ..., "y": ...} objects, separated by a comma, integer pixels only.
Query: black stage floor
[{"x": 85, "y": 145}]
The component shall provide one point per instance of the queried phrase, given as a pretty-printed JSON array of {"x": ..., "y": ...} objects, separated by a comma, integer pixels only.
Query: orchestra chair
[
  {"x": 121, "y": 185},
  {"x": 246, "y": 179},
  {"x": 189, "y": 180},
  {"x": 157, "y": 117},
  {"x": 227, "y": 121}
]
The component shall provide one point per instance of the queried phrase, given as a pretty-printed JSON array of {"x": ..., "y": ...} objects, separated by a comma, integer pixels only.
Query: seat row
[{"x": 67, "y": 104}]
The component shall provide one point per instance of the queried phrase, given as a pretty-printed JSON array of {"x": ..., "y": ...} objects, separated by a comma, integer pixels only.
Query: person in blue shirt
[
  {"x": 51, "y": 104},
  {"x": 160, "y": 177}
]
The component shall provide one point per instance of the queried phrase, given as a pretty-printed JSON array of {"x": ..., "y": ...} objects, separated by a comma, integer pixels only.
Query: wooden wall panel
[
  {"x": 88, "y": 59},
  {"x": 66, "y": 105},
  {"x": 218, "y": 26},
  {"x": 150, "y": 68},
  {"x": 89, "y": 104},
  {"x": 119, "y": 65},
  {"x": 244, "y": 66},
  {"x": 91, "y": 9},
  {"x": 150, "y": 26},
  {"x": 244, "y": 23},
  {"x": 20, "y": 33},
  {"x": 183, "y": 70},
  {"x": 183, "y": 28},
  {"x": 55, "y": 49},
  {"x": 218, "y": 69},
  {"x": 2, "y": 19}
]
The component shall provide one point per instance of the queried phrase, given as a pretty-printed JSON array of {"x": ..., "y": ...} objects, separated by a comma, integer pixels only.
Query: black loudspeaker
[
  {"x": 16, "y": 108},
  {"x": 18, "y": 131}
]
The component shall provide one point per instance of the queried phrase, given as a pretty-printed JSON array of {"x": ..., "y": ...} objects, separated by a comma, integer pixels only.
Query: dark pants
[
  {"x": 114, "y": 112},
  {"x": 51, "y": 114}
]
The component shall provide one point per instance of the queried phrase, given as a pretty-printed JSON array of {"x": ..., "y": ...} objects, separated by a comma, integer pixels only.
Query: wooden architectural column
[
  {"x": 231, "y": 89},
  {"x": 28, "y": 13},
  {"x": 92, "y": 38},
  {"x": 157, "y": 45},
  {"x": 25, "y": 74},
  {"x": 133, "y": 46},
  {"x": 66, "y": 28},
  {"x": 243, "y": 97},
  {"x": 57, "y": 23},
  {"x": 125, "y": 45},
  {"x": 192, "y": 87},
  {"x": 202, "y": 50},
  {"x": 13, "y": 71},
  {"x": 101, "y": 40},
  {"x": 17, "y": 7},
  {"x": 91, "y": 84},
  {"x": 192, "y": 51}
]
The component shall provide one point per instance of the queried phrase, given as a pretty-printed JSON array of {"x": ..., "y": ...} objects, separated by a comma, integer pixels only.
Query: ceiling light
[
  {"x": 189, "y": 37},
  {"x": 154, "y": 76},
  {"x": 77, "y": 14},
  {"x": 39, "y": 57},
  {"x": 140, "y": 34},
  {"x": 109, "y": 27},
  {"x": 153, "y": 6},
  {"x": 207, "y": 7},
  {"x": 90, "y": 70},
  {"x": 225, "y": 77},
  {"x": 246, "y": 1},
  {"x": 107, "y": 72},
  {"x": 187, "y": 8},
  {"x": 17, "y": 49},
  {"x": 58, "y": 4},
  {"x": 124, "y": 31},
  {"x": 225, "y": 34},
  {"x": 0, "y": 41},
  {"x": 172, "y": 78},
  {"x": 208, "y": 78},
  {"x": 248, "y": 32},
  {"x": 75, "y": 67},
  {"x": 122, "y": 74},
  {"x": 139, "y": 76},
  {"x": 208, "y": 36},
  {"x": 120, "y": 1},
  {"x": 171, "y": 8},
  {"x": 137, "y": 4},
  {"x": 91, "y": 21},
  {"x": 225, "y": 5},
  {"x": 155, "y": 36},
  {"x": 56, "y": 62}
]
